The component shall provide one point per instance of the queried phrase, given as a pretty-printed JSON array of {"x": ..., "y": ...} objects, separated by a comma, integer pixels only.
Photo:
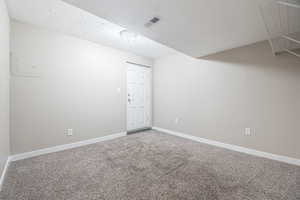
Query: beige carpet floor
[{"x": 150, "y": 166}]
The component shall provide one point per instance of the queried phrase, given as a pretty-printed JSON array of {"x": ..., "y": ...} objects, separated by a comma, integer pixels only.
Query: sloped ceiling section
[
  {"x": 62, "y": 17},
  {"x": 194, "y": 27}
]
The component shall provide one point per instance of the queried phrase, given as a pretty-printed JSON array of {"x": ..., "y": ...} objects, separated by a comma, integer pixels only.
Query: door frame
[{"x": 151, "y": 98}]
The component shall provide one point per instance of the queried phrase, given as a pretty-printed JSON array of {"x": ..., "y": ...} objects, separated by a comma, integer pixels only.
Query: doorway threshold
[{"x": 138, "y": 130}]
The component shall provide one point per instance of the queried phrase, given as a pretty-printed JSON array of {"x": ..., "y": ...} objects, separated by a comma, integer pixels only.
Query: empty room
[{"x": 149, "y": 100}]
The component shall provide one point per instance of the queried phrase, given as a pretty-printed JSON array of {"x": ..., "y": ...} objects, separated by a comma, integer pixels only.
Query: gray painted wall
[
  {"x": 77, "y": 88},
  {"x": 4, "y": 85},
  {"x": 218, "y": 96}
]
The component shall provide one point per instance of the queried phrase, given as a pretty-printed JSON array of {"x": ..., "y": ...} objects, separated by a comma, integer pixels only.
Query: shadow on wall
[{"x": 257, "y": 55}]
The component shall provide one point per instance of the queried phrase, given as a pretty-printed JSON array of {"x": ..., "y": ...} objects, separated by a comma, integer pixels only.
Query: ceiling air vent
[{"x": 151, "y": 22}]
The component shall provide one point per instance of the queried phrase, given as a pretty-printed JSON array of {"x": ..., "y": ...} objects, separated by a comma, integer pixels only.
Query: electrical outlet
[
  {"x": 69, "y": 132},
  {"x": 248, "y": 131},
  {"x": 176, "y": 120}
]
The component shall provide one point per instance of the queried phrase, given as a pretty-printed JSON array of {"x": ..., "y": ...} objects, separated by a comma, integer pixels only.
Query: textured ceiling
[
  {"x": 62, "y": 17},
  {"x": 194, "y": 27}
]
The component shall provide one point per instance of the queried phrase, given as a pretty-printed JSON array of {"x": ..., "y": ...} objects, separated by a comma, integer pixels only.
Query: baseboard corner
[{"x": 4, "y": 172}]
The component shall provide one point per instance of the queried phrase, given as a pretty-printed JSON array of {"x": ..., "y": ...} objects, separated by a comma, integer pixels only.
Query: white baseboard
[
  {"x": 64, "y": 147},
  {"x": 4, "y": 172},
  {"x": 254, "y": 152}
]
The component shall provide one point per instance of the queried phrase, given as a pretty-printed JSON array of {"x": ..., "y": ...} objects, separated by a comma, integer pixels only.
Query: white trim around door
[{"x": 138, "y": 96}]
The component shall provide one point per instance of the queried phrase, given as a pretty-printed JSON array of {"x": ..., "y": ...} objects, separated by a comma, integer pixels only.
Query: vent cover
[{"x": 152, "y": 21}]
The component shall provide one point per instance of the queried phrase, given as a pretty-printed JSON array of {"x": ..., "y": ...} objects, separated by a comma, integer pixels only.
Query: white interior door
[{"x": 138, "y": 97}]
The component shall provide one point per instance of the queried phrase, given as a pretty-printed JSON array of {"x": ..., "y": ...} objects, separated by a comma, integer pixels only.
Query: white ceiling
[
  {"x": 194, "y": 27},
  {"x": 62, "y": 17}
]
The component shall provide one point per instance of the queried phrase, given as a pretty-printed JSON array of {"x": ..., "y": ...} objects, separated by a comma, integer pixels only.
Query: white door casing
[{"x": 138, "y": 97}]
